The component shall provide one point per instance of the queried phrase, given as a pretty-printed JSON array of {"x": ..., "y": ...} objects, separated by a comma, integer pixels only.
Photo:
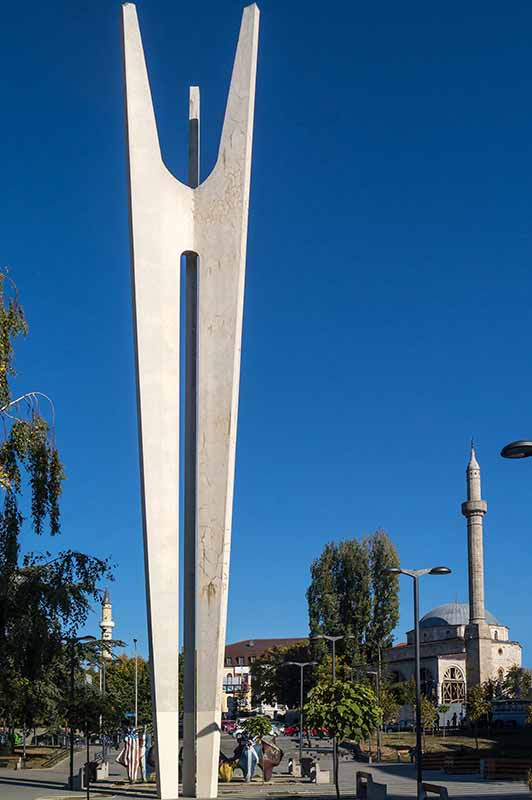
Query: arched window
[
  {"x": 453, "y": 686},
  {"x": 496, "y": 635}
]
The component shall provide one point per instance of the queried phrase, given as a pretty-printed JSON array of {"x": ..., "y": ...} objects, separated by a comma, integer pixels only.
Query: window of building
[
  {"x": 453, "y": 686},
  {"x": 240, "y": 661},
  {"x": 252, "y": 659},
  {"x": 228, "y": 661},
  {"x": 496, "y": 635},
  {"x": 500, "y": 651}
]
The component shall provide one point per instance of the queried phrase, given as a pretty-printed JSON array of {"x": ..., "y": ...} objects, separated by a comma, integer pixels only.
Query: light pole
[
  {"x": 415, "y": 574},
  {"x": 136, "y": 686},
  {"x": 519, "y": 449},
  {"x": 333, "y": 640},
  {"x": 72, "y": 642},
  {"x": 301, "y": 665},
  {"x": 378, "y": 689}
]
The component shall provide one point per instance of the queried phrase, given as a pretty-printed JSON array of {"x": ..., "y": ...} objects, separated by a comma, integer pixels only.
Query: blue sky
[{"x": 388, "y": 281}]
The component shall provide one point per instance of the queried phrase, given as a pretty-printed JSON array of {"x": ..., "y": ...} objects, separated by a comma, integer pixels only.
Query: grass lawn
[{"x": 507, "y": 744}]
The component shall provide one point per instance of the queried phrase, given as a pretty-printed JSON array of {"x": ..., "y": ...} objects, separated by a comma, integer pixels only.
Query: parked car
[{"x": 291, "y": 730}]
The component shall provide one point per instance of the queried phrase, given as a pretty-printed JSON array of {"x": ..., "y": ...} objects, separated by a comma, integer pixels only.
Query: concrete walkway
[{"x": 399, "y": 778}]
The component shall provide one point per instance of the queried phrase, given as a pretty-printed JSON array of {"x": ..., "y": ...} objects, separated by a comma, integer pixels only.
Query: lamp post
[
  {"x": 378, "y": 689},
  {"x": 72, "y": 642},
  {"x": 301, "y": 665},
  {"x": 519, "y": 449},
  {"x": 136, "y": 686},
  {"x": 333, "y": 640},
  {"x": 415, "y": 574}
]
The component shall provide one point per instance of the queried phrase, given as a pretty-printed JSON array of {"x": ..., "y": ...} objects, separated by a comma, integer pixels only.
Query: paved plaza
[{"x": 399, "y": 778}]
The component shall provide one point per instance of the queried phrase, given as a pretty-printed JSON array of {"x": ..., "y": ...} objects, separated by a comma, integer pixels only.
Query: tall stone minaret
[
  {"x": 478, "y": 635},
  {"x": 106, "y": 622}
]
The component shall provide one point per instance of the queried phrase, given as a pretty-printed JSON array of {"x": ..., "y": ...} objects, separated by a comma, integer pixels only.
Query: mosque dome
[{"x": 452, "y": 614}]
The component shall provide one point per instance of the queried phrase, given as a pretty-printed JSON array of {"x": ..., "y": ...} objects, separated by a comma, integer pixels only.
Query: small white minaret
[
  {"x": 106, "y": 622},
  {"x": 478, "y": 635}
]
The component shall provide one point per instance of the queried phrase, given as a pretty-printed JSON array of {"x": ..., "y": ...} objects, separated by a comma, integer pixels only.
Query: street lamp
[
  {"x": 72, "y": 641},
  {"x": 415, "y": 574},
  {"x": 519, "y": 449},
  {"x": 333, "y": 640},
  {"x": 301, "y": 665}
]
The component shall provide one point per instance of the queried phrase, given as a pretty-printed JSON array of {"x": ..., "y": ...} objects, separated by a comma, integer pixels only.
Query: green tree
[
  {"x": 42, "y": 599},
  {"x": 346, "y": 710},
  {"x": 478, "y": 707},
  {"x": 429, "y": 714},
  {"x": 384, "y": 594},
  {"x": 120, "y": 691},
  {"x": 351, "y": 595},
  {"x": 273, "y": 680},
  {"x": 389, "y": 705},
  {"x": 517, "y": 682},
  {"x": 257, "y": 727}
]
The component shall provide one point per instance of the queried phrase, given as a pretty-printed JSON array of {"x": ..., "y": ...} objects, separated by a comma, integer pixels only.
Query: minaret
[
  {"x": 478, "y": 635},
  {"x": 106, "y": 622}
]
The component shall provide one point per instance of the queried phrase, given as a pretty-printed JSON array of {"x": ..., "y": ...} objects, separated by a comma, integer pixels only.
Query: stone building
[
  {"x": 239, "y": 658},
  {"x": 462, "y": 644}
]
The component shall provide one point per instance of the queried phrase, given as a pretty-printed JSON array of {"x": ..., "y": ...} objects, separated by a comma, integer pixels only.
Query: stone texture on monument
[{"x": 167, "y": 220}]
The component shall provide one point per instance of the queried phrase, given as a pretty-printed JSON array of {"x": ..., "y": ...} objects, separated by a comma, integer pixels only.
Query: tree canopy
[
  {"x": 43, "y": 599},
  {"x": 351, "y": 595},
  {"x": 273, "y": 680}
]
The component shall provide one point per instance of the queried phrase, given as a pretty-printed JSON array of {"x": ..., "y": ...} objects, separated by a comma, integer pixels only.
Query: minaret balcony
[{"x": 471, "y": 507}]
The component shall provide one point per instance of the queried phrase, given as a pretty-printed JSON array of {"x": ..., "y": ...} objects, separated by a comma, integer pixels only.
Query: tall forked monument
[
  {"x": 206, "y": 223},
  {"x": 477, "y": 633}
]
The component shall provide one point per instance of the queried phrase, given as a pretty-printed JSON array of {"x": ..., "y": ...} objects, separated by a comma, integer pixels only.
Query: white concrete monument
[{"x": 207, "y": 222}]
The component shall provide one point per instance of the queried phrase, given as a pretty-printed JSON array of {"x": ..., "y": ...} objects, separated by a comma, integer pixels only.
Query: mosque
[{"x": 461, "y": 644}]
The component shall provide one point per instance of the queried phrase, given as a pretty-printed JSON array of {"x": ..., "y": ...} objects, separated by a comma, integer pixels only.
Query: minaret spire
[
  {"x": 474, "y": 509},
  {"x": 106, "y": 623},
  {"x": 478, "y": 634}
]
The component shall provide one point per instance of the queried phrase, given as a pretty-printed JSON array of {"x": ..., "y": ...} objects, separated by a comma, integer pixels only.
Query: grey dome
[{"x": 452, "y": 614}]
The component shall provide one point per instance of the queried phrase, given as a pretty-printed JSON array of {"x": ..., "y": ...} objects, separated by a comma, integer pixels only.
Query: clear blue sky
[{"x": 388, "y": 283}]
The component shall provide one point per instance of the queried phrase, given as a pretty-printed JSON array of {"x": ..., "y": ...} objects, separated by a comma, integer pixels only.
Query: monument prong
[
  {"x": 190, "y": 464},
  {"x": 206, "y": 222}
]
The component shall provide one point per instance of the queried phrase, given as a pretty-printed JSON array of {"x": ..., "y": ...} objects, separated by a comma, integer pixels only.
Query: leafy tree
[
  {"x": 389, "y": 705},
  {"x": 384, "y": 594},
  {"x": 429, "y": 714},
  {"x": 344, "y": 671},
  {"x": 478, "y": 707},
  {"x": 257, "y": 727},
  {"x": 42, "y": 599},
  {"x": 120, "y": 691},
  {"x": 405, "y": 692},
  {"x": 517, "y": 682},
  {"x": 345, "y": 710},
  {"x": 351, "y": 595},
  {"x": 273, "y": 680}
]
